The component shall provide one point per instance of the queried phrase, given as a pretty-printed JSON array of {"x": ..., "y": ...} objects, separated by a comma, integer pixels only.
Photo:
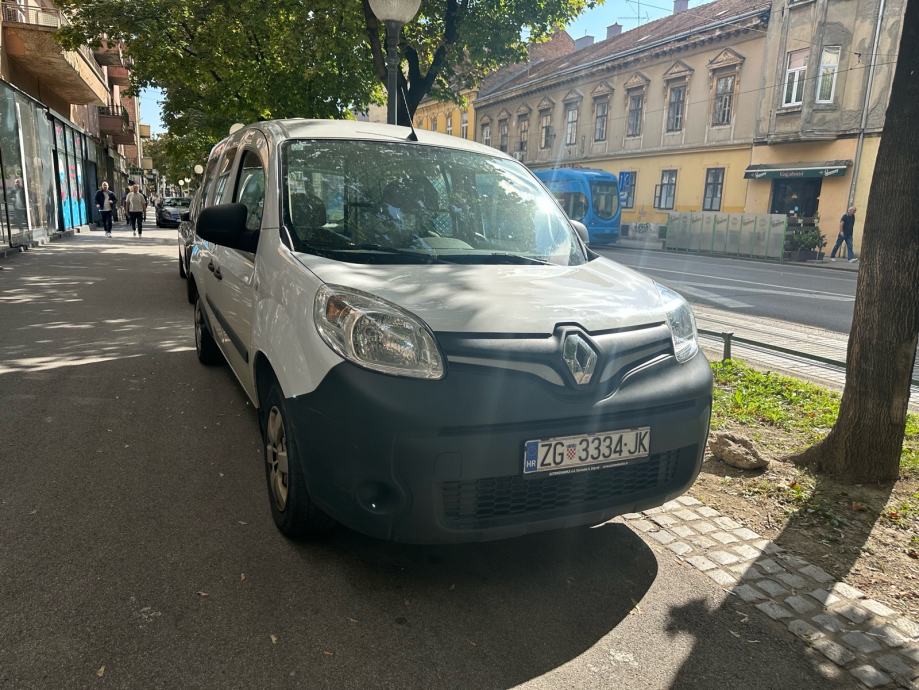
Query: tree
[
  {"x": 220, "y": 63},
  {"x": 865, "y": 443},
  {"x": 453, "y": 44},
  {"x": 175, "y": 157}
]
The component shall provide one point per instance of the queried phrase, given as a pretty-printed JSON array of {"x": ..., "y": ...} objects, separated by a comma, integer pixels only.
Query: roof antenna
[{"x": 413, "y": 136}]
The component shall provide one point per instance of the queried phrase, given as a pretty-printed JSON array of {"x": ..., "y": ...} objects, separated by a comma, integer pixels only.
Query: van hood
[{"x": 532, "y": 299}]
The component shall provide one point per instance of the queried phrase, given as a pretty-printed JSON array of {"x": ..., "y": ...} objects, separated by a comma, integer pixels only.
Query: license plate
[{"x": 572, "y": 453}]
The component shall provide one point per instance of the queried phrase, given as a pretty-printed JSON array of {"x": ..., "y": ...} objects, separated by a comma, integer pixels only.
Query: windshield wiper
[
  {"x": 493, "y": 258},
  {"x": 418, "y": 257}
]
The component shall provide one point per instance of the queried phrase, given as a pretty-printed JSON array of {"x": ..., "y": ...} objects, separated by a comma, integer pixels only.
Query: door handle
[{"x": 215, "y": 270}]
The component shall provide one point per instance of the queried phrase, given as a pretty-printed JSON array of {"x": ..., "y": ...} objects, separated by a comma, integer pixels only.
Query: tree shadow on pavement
[
  {"x": 492, "y": 614},
  {"x": 796, "y": 543}
]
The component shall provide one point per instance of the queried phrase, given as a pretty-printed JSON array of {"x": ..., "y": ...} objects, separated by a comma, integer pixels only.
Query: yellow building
[
  {"x": 447, "y": 117},
  {"x": 669, "y": 107},
  {"x": 818, "y": 127}
]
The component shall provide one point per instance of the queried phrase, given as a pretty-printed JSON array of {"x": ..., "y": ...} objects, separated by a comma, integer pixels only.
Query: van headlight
[
  {"x": 376, "y": 334},
  {"x": 682, "y": 324}
]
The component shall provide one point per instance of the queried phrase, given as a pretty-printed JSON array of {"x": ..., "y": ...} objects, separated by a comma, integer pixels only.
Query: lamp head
[{"x": 402, "y": 11}]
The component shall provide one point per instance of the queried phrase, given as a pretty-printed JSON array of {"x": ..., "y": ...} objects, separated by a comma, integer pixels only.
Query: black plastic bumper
[{"x": 442, "y": 461}]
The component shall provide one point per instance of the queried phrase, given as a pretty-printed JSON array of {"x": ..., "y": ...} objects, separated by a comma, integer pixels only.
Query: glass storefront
[
  {"x": 35, "y": 133},
  {"x": 70, "y": 154},
  {"x": 13, "y": 219},
  {"x": 49, "y": 170},
  {"x": 45, "y": 170}
]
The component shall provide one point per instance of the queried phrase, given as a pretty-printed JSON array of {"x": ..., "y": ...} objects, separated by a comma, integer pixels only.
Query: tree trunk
[{"x": 865, "y": 443}]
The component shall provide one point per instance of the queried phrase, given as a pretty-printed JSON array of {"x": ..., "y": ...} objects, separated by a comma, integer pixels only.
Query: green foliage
[
  {"x": 749, "y": 396},
  {"x": 805, "y": 237},
  {"x": 766, "y": 400},
  {"x": 175, "y": 156},
  {"x": 219, "y": 63}
]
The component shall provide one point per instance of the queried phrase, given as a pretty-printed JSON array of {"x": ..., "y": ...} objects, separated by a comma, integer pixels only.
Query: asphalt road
[
  {"x": 819, "y": 297},
  {"x": 137, "y": 548}
]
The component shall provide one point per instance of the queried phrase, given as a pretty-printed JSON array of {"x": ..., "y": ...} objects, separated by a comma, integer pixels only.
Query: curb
[
  {"x": 875, "y": 644},
  {"x": 808, "y": 264},
  {"x": 55, "y": 236}
]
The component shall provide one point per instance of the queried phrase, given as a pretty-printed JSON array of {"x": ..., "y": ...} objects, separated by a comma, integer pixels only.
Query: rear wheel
[
  {"x": 292, "y": 508},
  {"x": 206, "y": 348}
]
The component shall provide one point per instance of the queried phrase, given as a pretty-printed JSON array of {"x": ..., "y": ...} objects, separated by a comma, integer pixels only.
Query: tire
[
  {"x": 191, "y": 294},
  {"x": 292, "y": 509},
  {"x": 205, "y": 347},
  {"x": 182, "y": 273}
]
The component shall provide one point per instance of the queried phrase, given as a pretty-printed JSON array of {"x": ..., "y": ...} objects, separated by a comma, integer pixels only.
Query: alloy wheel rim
[{"x": 276, "y": 456}]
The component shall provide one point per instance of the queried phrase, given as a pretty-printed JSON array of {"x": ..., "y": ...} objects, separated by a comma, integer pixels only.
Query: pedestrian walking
[
  {"x": 105, "y": 202},
  {"x": 846, "y": 228},
  {"x": 136, "y": 207}
]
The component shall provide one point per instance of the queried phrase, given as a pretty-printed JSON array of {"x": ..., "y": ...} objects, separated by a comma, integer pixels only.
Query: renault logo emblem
[{"x": 580, "y": 357}]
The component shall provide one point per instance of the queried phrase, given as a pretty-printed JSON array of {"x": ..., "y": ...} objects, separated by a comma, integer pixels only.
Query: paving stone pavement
[{"x": 871, "y": 641}]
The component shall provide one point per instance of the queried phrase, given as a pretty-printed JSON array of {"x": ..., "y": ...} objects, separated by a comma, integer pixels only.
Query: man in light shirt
[{"x": 136, "y": 206}]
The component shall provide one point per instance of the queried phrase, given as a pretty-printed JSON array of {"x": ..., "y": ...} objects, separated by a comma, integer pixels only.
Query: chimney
[
  {"x": 613, "y": 30},
  {"x": 583, "y": 42},
  {"x": 680, "y": 6}
]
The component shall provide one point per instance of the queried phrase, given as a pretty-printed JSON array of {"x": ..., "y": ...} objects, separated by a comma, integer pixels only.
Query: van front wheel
[{"x": 294, "y": 513}]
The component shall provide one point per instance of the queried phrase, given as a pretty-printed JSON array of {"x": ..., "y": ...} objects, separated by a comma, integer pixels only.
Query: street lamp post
[{"x": 394, "y": 14}]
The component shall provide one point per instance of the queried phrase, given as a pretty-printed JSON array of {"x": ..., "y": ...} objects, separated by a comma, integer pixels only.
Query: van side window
[
  {"x": 250, "y": 188},
  {"x": 210, "y": 177},
  {"x": 223, "y": 174}
]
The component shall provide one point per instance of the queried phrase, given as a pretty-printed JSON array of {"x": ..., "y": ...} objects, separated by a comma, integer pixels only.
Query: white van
[{"x": 434, "y": 352}]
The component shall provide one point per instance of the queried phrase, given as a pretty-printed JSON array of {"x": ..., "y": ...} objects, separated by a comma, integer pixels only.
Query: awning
[{"x": 765, "y": 171}]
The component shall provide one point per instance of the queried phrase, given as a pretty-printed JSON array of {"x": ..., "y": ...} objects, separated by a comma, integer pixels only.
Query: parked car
[
  {"x": 169, "y": 213},
  {"x": 434, "y": 352},
  {"x": 187, "y": 235}
]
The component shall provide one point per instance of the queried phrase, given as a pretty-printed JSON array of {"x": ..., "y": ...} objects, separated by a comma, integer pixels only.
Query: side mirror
[
  {"x": 185, "y": 215},
  {"x": 225, "y": 224},
  {"x": 581, "y": 229}
]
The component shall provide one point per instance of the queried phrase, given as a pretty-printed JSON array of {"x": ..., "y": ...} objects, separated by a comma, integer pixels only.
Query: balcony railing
[{"x": 49, "y": 18}]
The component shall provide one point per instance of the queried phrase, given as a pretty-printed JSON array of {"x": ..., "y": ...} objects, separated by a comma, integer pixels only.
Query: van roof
[{"x": 300, "y": 128}]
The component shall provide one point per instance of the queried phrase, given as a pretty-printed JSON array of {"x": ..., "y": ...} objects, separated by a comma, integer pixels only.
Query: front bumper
[{"x": 441, "y": 461}]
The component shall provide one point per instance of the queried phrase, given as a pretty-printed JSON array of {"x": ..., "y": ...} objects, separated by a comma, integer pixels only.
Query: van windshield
[{"x": 382, "y": 202}]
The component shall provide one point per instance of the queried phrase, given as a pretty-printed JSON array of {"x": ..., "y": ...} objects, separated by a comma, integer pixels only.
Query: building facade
[
  {"x": 65, "y": 125},
  {"x": 669, "y": 107},
  {"x": 459, "y": 120},
  {"x": 829, "y": 71},
  {"x": 447, "y": 117},
  {"x": 755, "y": 106}
]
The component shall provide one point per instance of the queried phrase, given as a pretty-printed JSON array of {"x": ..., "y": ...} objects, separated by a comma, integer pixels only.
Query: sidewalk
[{"x": 793, "y": 336}]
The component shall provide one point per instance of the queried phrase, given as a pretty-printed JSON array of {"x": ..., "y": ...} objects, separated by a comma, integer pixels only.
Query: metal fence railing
[
  {"x": 728, "y": 338},
  {"x": 758, "y": 235}
]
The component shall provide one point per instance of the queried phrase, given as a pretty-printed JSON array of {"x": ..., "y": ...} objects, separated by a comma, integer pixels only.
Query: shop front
[
  {"x": 28, "y": 209},
  {"x": 796, "y": 187},
  {"x": 70, "y": 156}
]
